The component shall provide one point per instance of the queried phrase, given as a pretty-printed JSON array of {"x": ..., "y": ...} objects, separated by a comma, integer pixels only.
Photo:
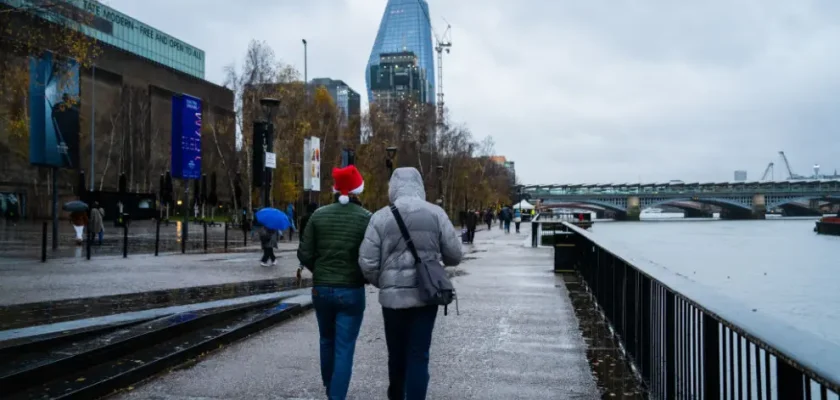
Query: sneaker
[
  {"x": 264, "y": 264},
  {"x": 274, "y": 263}
]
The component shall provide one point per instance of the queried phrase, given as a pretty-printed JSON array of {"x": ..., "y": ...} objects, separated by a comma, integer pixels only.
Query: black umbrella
[
  {"x": 213, "y": 198},
  {"x": 75, "y": 206}
]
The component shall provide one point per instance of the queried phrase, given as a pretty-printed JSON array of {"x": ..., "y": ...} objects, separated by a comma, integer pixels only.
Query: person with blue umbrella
[{"x": 271, "y": 221}]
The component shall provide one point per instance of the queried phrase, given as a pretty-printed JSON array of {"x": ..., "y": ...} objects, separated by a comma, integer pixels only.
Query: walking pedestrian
[
  {"x": 97, "y": 221},
  {"x": 488, "y": 218},
  {"x": 79, "y": 219},
  {"x": 268, "y": 241},
  {"x": 472, "y": 221},
  {"x": 389, "y": 265},
  {"x": 517, "y": 218},
  {"x": 330, "y": 249}
]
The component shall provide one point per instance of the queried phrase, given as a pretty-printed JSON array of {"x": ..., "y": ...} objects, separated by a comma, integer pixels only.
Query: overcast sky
[{"x": 582, "y": 91}]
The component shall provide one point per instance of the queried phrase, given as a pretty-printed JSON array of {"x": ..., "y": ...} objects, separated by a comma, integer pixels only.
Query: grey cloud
[{"x": 577, "y": 91}]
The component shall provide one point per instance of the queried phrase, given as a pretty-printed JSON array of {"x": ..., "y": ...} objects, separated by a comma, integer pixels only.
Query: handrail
[{"x": 798, "y": 353}]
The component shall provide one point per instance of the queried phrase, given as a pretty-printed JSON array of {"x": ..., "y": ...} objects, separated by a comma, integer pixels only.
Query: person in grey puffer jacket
[{"x": 387, "y": 263}]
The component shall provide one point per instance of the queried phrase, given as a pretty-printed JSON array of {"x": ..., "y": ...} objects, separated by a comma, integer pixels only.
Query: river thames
[{"x": 778, "y": 267}]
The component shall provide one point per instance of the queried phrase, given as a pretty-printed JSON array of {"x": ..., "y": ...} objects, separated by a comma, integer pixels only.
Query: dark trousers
[
  {"x": 268, "y": 253},
  {"x": 517, "y": 226},
  {"x": 408, "y": 334},
  {"x": 339, "y": 312},
  {"x": 489, "y": 225},
  {"x": 470, "y": 234}
]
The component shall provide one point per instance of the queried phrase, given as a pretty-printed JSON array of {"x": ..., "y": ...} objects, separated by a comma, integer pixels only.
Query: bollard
[
  {"x": 184, "y": 236},
  {"x": 44, "y": 243},
  {"x": 226, "y": 236},
  {"x": 205, "y": 237},
  {"x": 157, "y": 237},
  {"x": 125, "y": 238}
]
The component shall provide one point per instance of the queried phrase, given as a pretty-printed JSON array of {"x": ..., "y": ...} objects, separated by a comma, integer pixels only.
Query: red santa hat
[{"x": 348, "y": 181}]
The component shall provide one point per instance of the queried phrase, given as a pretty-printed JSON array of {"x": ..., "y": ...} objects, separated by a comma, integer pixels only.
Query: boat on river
[{"x": 828, "y": 226}]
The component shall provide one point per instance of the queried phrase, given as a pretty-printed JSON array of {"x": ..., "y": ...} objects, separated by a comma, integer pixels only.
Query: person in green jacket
[{"x": 330, "y": 249}]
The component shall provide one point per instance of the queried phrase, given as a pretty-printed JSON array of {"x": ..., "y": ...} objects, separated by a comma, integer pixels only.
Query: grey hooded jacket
[{"x": 384, "y": 258}]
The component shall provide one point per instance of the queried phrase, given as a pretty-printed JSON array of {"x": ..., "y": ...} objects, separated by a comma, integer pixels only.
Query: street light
[
  {"x": 305, "y": 69},
  {"x": 440, "y": 183},
  {"x": 269, "y": 105},
  {"x": 390, "y": 152}
]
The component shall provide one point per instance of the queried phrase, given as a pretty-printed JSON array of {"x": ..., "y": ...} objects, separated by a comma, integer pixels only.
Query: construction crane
[
  {"x": 791, "y": 175},
  {"x": 769, "y": 170},
  {"x": 443, "y": 43}
]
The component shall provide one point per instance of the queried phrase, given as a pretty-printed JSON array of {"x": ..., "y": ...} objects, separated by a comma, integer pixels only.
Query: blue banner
[
  {"x": 186, "y": 137},
  {"x": 53, "y": 112}
]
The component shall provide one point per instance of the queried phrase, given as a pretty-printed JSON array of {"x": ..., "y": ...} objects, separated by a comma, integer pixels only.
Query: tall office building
[
  {"x": 405, "y": 28},
  {"x": 398, "y": 77},
  {"x": 346, "y": 99}
]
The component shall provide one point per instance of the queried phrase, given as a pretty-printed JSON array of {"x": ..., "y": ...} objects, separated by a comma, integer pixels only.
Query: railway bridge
[{"x": 737, "y": 200}]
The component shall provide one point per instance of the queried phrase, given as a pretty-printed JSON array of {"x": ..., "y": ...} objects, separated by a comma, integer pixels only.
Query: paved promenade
[
  {"x": 67, "y": 278},
  {"x": 516, "y": 338}
]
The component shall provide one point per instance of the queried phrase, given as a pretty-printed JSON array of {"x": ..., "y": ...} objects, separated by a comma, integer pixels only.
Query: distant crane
[
  {"x": 769, "y": 170},
  {"x": 791, "y": 175},
  {"x": 442, "y": 43}
]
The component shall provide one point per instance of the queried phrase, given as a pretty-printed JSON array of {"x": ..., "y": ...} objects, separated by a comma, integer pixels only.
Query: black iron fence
[
  {"x": 33, "y": 240},
  {"x": 687, "y": 342}
]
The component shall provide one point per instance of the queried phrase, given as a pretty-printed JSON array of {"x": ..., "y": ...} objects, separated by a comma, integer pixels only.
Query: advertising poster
[
  {"x": 306, "y": 168},
  {"x": 54, "y": 112},
  {"x": 315, "y": 164},
  {"x": 186, "y": 137}
]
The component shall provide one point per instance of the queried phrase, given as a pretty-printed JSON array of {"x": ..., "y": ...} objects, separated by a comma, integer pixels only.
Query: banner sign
[
  {"x": 53, "y": 112},
  {"x": 186, "y": 137},
  {"x": 306, "y": 168},
  {"x": 315, "y": 164}
]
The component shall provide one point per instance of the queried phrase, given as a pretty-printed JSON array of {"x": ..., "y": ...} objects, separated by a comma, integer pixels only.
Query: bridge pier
[
  {"x": 634, "y": 209},
  {"x": 705, "y": 212}
]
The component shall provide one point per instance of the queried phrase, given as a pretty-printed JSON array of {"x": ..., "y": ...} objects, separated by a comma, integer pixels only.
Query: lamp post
[
  {"x": 305, "y": 68},
  {"x": 390, "y": 152},
  {"x": 268, "y": 104},
  {"x": 440, "y": 184}
]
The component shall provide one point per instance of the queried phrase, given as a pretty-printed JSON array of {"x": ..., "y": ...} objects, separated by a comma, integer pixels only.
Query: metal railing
[{"x": 685, "y": 341}]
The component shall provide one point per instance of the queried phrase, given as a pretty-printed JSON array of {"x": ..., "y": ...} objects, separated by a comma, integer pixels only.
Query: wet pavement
[
  {"x": 516, "y": 338},
  {"x": 57, "y": 279}
]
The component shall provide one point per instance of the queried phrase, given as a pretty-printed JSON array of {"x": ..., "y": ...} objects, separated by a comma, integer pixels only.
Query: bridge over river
[{"x": 737, "y": 200}]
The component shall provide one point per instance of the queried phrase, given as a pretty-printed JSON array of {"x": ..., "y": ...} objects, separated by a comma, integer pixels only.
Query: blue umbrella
[{"x": 273, "y": 218}]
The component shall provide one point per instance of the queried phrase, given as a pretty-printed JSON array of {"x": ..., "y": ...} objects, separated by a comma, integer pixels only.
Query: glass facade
[
  {"x": 119, "y": 30},
  {"x": 405, "y": 27}
]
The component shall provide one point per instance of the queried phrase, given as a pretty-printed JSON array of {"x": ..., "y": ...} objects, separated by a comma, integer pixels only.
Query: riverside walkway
[{"x": 516, "y": 338}]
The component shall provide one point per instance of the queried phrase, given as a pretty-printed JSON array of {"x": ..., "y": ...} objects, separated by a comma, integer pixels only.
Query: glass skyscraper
[{"x": 405, "y": 27}]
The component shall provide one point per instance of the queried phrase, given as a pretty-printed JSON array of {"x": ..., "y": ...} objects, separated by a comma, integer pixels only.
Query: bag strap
[{"x": 404, "y": 230}]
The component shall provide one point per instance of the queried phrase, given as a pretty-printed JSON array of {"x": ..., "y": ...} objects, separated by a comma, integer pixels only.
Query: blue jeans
[
  {"x": 408, "y": 334},
  {"x": 339, "y": 312},
  {"x": 507, "y": 226}
]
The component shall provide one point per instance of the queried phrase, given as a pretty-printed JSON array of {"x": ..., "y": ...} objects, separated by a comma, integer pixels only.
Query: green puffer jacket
[{"x": 330, "y": 245}]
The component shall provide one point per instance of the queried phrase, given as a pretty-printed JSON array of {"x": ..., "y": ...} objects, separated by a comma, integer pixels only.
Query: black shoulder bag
[{"x": 432, "y": 282}]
